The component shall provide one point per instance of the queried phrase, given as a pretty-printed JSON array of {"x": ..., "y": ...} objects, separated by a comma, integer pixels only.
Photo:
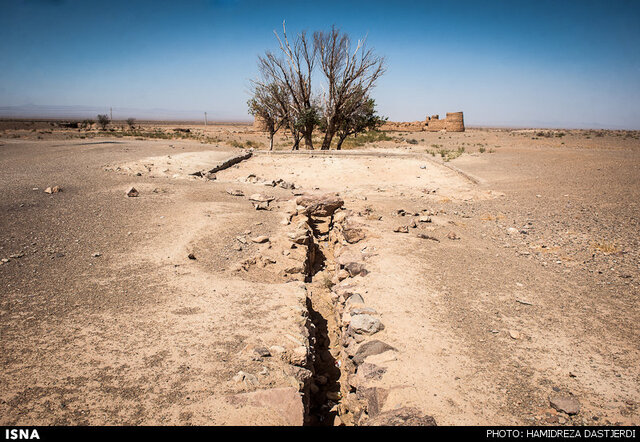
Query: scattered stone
[
  {"x": 425, "y": 219},
  {"x": 370, "y": 371},
  {"x": 247, "y": 378},
  {"x": 276, "y": 350},
  {"x": 286, "y": 403},
  {"x": 260, "y": 239},
  {"x": 191, "y": 256},
  {"x": 354, "y": 299},
  {"x": 425, "y": 236},
  {"x": 353, "y": 235},
  {"x": 453, "y": 235},
  {"x": 235, "y": 192},
  {"x": 401, "y": 229},
  {"x": 369, "y": 349},
  {"x": 402, "y": 417},
  {"x": 514, "y": 334},
  {"x": 259, "y": 197},
  {"x": 263, "y": 352},
  {"x": 323, "y": 205},
  {"x": 262, "y": 205},
  {"x": 565, "y": 403},
  {"x": 298, "y": 356},
  {"x": 365, "y": 324},
  {"x": 356, "y": 268},
  {"x": 132, "y": 192},
  {"x": 54, "y": 189},
  {"x": 96, "y": 255},
  {"x": 363, "y": 311}
]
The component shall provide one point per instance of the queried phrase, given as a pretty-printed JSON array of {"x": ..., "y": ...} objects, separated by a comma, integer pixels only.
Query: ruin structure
[{"x": 454, "y": 122}]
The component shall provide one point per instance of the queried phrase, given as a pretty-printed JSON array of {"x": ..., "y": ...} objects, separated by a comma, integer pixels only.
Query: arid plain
[{"x": 485, "y": 277}]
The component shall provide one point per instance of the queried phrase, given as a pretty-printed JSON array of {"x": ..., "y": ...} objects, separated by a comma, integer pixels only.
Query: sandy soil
[{"x": 538, "y": 295}]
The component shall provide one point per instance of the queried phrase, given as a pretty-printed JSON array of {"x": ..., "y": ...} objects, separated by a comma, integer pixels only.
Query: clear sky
[{"x": 525, "y": 63}]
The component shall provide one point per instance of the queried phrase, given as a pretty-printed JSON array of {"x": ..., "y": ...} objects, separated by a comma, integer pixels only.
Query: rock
[
  {"x": 353, "y": 235},
  {"x": 235, "y": 192},
  {"x": 401, "y": 229},
  {"x": 374, "y": 397},
  {"x": 425, "y": 219},
  {"x": 54, "y": 189},
  {"x": 263, "y": 352},
  {"x": 298, "y": 356},
  {"x": 514, "y": 334},
  {"x": 365, "y": 324},
  {"x": 191, "y": 256},
  {"x": 259, "y": 197},
  {"x": 286, "y": 403},
  {"x": 323, "y": 205},
  {"x": 512, "y": 230},
  {"x": 424, "y": 236},
  {"x": 132, "y": 192},
  {"x": 260, "y": 239},
  {"x": 402, "y": 417},
  {"x": 370, "y": 371},
  {"x": 96, "y": 255},
  {"x": 363, "y": 311},
  {"x": 369, "y": 349},
  {"x": 453, "y": 235},
  {"x": 276, "y": 350},
  {"x": 261, "y": 205},
  {"x": 353, "y": 300},
  {"x": 565, "y": 403},
  {"x": 247, "y": 378},
  {"x": 356, "y": 268}
]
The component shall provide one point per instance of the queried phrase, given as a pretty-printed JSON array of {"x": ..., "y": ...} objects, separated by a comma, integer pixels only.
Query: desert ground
[{"x": 489, "y": 277}]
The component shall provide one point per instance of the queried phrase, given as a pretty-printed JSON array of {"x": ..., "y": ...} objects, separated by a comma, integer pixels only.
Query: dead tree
[
  {"x": 349, "y": 76},
  {"x": 293, "y": 73},
  {"x": 266, "y": 106}
]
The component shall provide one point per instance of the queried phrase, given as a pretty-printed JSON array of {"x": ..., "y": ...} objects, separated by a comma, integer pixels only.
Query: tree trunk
[
  {"x": 328, "y": 136},
  {"x": 308, "y": 139},
  {"x": 271, "y": 140},
  {"x": 340, "y": 141},
  {"x": 296, "y": 143}
]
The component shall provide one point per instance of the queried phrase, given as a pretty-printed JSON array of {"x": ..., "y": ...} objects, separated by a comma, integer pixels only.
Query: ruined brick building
[{"x": 454, "y": 122}]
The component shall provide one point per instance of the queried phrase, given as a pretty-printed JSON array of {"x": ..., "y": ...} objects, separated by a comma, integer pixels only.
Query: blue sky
[{"x": 522, "y": 63}]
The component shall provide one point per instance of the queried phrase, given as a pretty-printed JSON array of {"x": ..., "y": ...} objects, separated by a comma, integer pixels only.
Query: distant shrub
[{"x": 103, "y": 121}]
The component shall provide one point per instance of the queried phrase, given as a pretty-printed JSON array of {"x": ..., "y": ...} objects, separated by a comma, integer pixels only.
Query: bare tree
[
  {"x": 293, "y": 73},
  {"x": 349, "y": 76},
  {"x": 103, "y": 121},
  {"x": 266, "y": 105}
]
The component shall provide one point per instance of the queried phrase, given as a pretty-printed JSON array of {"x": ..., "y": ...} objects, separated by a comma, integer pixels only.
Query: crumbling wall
[{"x": 454, "y": 122}]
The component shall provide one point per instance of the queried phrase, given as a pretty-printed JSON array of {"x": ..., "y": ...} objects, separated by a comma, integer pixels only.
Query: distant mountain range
[{"x": 119, "y": 113}]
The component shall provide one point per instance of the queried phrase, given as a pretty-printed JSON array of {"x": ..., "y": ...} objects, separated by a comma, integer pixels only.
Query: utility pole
[
  {"x": 205, "y": 118},
  {"x": 111, "y": 113}
]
